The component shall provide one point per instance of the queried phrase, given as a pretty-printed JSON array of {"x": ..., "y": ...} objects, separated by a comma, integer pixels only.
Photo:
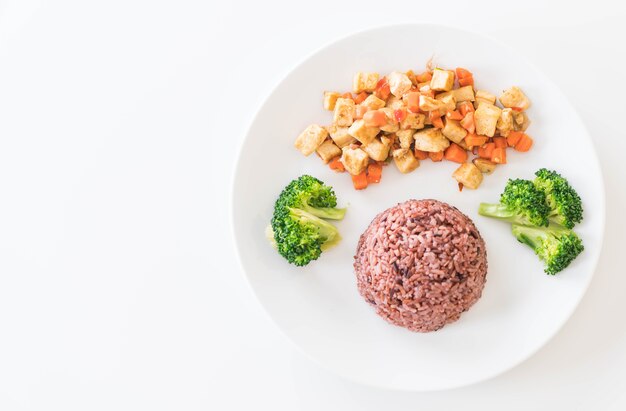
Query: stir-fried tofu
[
  {"x": 330, "y": 98},
  {"x": 469, "y": 175},
  {"x": 395, "y": 103},
  {"x": 328, "y": 150},
  {"x": 483, "y": 96},
  {"x": 484, "y": 165},
  {"x": 355, "y": 160},
  {"x": 392, "y": 124},
  {"x": 344, "y": 112},
  {"x": 431, "y": 140},
  {"x": 515, "y": 98},
  {"x": 361, "y": 132},
  {"x": 413, "y": 121},
  {"x": 520, "y": 121},
  {"x": 442, "y": 80},
  {"x": 453, "y": 130},
  {"x": 310, "y": 139},
  {"x": 486, "y": 117},
  {"x": 405, "y": 137},
  {"x": 465, "y": 93},
  {"x": 450, "y": 102},
  {"x": 378, "y": 149},
  {"x": 340, "y": 135},
  {"x": 399, "y": 83},
  {"x": 429, "y": 104},
  {"x": 364, "y": 82},
  {"x": 405, "y": 160},
  {"x": 373, "y": 103},
  {"x": 505, "y": 122}
]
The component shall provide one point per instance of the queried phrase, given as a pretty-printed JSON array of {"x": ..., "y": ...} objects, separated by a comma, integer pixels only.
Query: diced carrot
[
  {"x": 421, "y": 155},
  {"x": 513, "y": 138},
  {"x": 462, "y": 73},
  {"x": 360, "y": 181},
  {"x": 374, "y": 172},
  {"x": 454, "y": 115},
  {"x": 486, "y": 150},
  {"x": 360, "y": 97},
  {"x": 411, "y": 75},
  {"x": 382, "y": 89},
  {"x": 347, "y": 95},
  {"x": 468, "y": 122},
  {"x": 524, "y": 144},
  {"x": 499, "y": 155},
  {"x": 518, "y": 109},
  {"x": 412, "y": 101},
  {"x": 473, "y": 140},
  {"x": 437, "y": 122},
  {"x": 455, "y": 153},
  {"x": 337, "y": 165},
  {"x": 424, "y": 77},
  {"x": 466, "y": 81},
  {"x": 374, "y": 118},
  {"x": 399, "y": 114},
  {"x": 360, "y": 111},
  {"x": 438, "y": 156},
  {"x": 500, "y": 142},
  {"x": 465, "y": 107}
]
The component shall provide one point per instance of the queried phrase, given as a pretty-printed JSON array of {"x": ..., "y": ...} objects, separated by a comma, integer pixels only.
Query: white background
[{"x": 119, "y": 127}]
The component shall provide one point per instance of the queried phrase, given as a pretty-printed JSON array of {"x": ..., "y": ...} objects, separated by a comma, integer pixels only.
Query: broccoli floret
[
  {"x": 520, "y": 203},
  {"x": 565, "y": 205},
  {"x": 555, "y": 245},
  {"x": 300, "y": 235}
]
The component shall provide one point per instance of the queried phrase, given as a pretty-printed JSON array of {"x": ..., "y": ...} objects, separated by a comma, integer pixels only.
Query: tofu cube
[
  {"x": 429, "y": 104},
  {"x": 373, "y": 103},
  {"x": 483, "y": 96},
  {"x": 465, "y": 93},
  {"x": 469, "y": 175},
  {"x": 413, "y": 121},
  {"x": 310, "y": 139},
  {"x": 453, "y": 130},
  {"x": 514, "y": 97},
  {"x": 395, "y": 103},
  {"x": 378, "y": 149},
  {"x": 520, "y": 121},
  {"x": 505, "y": 122},
  {"x": 328, "y": 150},
  {"x": 485, "y": 166},
  {"x": 405, "y": 137},
  {"x": 431, "y": 140},
  {"x": 355, "y": 160},
  {"x": 330, "y": 98},
  {"x": 364, "y": 82},
  {"x": 486, "y": 117},
  {"x": 340, "y": 136},
  {"x": 442, "y": 80},
  {"x": 361, "y": 132},
  {"x": 344, "y": 112},
  {"x": 392, "y": 124},
  {"x": 405, "y": 160},
  {"x": 399, "y": 83},
  {"x": 449, "y": 102}
]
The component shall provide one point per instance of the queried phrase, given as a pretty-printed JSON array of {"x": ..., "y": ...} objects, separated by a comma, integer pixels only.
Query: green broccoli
[
  {"x": 520, "y": 203},
  {"x": 555, "y": 245},
  {"x": 565, "y": 205},
  {"x": 299, "y": 233}
]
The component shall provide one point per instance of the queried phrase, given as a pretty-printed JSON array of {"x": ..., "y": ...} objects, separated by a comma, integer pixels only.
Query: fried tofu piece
[
  {"x": 355, "y": 160},
  {"x": 431, "y": 140},
  {"x": 328, "y": 150},
  {"x": 429, "y": 104},
  {"x": 373, "y": 103},
  {"x": 443, "y": 80},
  {"x": 395, "y": 103},
  {"x": 340, "y": 135},
  {"x": 405, "y": 137},
  {"x": 344, "y": 112},
  {"x": 465, "y": 93},
  {"x": 364, "y": 82},
  {"x": 392, "y": 124},
  {"x": 483, "y": 96},
  {"x": 330, "y": 98},
  {"x": 361, "y": 132},
  {"x": 449, "y": 102},
  {"x": 310, "y": 139},
  {"x": 399, "y": 83},
  {"x": 520, "y": 121},
  {"x": 453, "y": 130},
  {"x": 405, "y": 160},
  {"x": 486, "y": 117},
  {"x": 484, "y": 165},
  {"x": 505, "y": 123},
  {"x": 413, "y": 121},
  {"x": 515, "y": 98},
  {"x": 378, "y": 149},
  {"x": 469, "y": 175}
]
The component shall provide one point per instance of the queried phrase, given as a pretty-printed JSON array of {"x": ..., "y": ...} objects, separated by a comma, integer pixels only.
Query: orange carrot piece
[
  {"x": 524, "y": 144},
  {"x": 513, "y": 138},
  {"x": 465, "y": 107},
  {"x": 466, "y": 81},
  {"x": 399, "y": 114},
  {"x": 360, "y": 112},
  {"x": 438, "y": 156},
  {"x": 468, "y": 122},
  {"x": 412, "y": 101},
  {"x": 421, "y": 155},
  {"x": 500, "y": 142},
  {"x": 486, "y": 151},
  {"x": 360, "y": 181},
  {"x": 424, "y": 77},
  {"x": 374, "y": 172},
  {"x": 360, "y": 97},
  {"x": 499, "y": 155},
  {"x": 347, "y": 95},
  {"x": 462, "y": 73},
  {"x": 473, "y": 140},
  {"x": 337, "y": 165},
  {"x": 375, "y": 118},
  {"x": 382, "y": 90},
  {"x": 455, "y": 153},
  {"x": 454, "y": 115},
  {"x": 437, "y": 122}
]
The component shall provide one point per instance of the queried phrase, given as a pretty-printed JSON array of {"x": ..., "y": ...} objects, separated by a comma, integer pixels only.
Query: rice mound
[{"x": 421, "y": 264}]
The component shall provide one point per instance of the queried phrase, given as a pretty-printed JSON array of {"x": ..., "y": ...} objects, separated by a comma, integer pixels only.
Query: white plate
[{"x": 318, "y": 306}]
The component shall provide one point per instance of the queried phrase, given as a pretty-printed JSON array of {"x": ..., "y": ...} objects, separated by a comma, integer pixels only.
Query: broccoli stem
[
  {"x": 325, "y": 212},
  {"x": 326, "y": 230}
]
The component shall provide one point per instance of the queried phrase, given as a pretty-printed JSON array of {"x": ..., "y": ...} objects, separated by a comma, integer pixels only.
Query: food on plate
[
  {"x": 421, "y": 264},
  {"x": 297, "y": 229},
  {"x": 408, "y": 117},
  {"x": 542, "y": 213}
]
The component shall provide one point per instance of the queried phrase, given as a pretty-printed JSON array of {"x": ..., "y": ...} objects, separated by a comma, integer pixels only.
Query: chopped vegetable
[
  {"x": 455, "y": 153},
  {"x": 436, "y": 156},
  {"x": 468, "y": 122},
  {"x": 360, "y": 181},
  {"x": 374, "y": 172},
  {"x": 472, "y": 140},
  {"x": 421, "y": 155},
  {"x": 337, "y": 165},
  {"x": 524, "y": 144},
  {"x": 564, "y": 202},
  {"x": 499, "y": 155},
  {"x": 513, "y": 138},
  {"x": 520, "y": 203},
  {"x": 486, "y": 150}
]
